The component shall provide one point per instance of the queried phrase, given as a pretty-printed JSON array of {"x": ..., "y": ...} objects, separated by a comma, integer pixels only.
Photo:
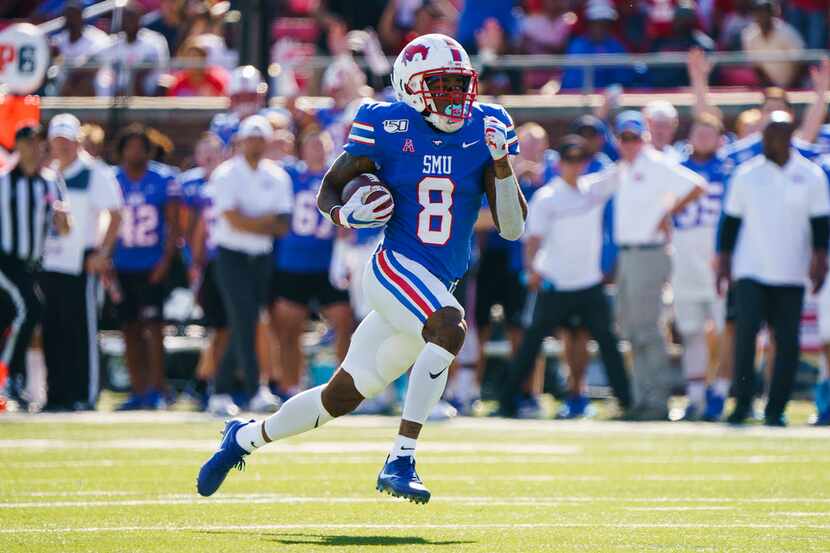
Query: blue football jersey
[
  {"x": 750, "y": 146},
  {"x": 706, "y": 211},
  {"x": 308, "y": 245},
  {"x": 435, "y": 178},
  {"x": 190, "y": 184},
  {"x": 143, "y": 227}
]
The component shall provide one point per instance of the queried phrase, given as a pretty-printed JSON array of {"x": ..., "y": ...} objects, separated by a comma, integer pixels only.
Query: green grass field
[{"x": 106, "y": 483}]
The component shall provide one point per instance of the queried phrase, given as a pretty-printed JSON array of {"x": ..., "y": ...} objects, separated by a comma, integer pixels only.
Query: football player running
[{"x": 437, "y": 150}]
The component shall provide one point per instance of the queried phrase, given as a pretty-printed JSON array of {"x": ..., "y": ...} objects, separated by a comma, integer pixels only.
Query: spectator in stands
[
  {"x": 130, "y": 48},
  {"x": 546, "y": 31},
  {"x": 92, "y": 139},
  {"x": 475, "y": 15},
  {"x": 205, "y": 23},
  {"x": 75, "y": 45},
  {"x": 769, "y": 33},
  {"x": 632, "y": 25},
  {"x": 597, "y": 40},
  {"x": 651, "y": 191},
  {"x": 685, "y": 36},
  {"x": 72, "y": 266},
  {"x": 253, "y": 200},
  {"x": 493, "y": 43},
  {"x": 562, "y": 262},
  {"x": 167, "y": 21},
  {"x": 662, "y": 121},
  {"x": 404, "y": 20},
  {"x": 142, "y": 259},
  {"x": 199, "y": 79},
  {"x": 732, "y": 17},
  {"x": 809, "y": 18},
  {"x": 771, "y": 258}
]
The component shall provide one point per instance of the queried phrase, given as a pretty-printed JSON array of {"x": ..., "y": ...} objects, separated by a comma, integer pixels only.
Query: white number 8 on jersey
[{"x": 435, "y": 219}]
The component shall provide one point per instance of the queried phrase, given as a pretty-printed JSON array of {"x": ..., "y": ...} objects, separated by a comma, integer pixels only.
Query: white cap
[
  {"x": 255, "y": 126},
  {"x": 65, "y": 125},
  {"x": 660, "y": 109},
  {"x": 600, "y": 10},
  {"x": 246, "y": 78}
]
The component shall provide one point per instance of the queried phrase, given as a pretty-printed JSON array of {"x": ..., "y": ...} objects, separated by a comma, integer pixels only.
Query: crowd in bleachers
[{"x": 200, "y": 35}]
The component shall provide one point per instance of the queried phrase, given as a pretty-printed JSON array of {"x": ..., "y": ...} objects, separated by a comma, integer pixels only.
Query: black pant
[
  {"x": 780, "y": 307},
  {"x": 70, "y": 341},
  {"x": 553, "y": 310},
  {"x": 243, "y": 282},
  {"x": 20, "y": 316}
]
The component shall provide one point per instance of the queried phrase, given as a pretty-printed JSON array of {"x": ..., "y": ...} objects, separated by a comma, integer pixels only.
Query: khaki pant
[{"x": 641, "y": 276}]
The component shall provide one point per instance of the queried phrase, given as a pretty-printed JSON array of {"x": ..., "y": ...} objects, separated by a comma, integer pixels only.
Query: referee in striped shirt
[{"x": 30, "y": 202}]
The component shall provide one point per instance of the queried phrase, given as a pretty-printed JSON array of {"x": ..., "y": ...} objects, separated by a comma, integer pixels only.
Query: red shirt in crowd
[{"x": 213, "y": 82}]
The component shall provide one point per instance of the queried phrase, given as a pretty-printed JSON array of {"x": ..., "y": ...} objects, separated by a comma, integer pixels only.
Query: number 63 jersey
[{"x": 435, "y": 179}]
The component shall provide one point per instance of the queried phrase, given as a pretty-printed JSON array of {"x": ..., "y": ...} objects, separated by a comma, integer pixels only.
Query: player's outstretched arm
[
  {"x": 507, "y": 203},
  {"x": 345, "y": 168}
]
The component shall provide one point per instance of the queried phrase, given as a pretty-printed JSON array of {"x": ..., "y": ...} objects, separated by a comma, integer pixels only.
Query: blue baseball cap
[{"x": 631, "y": 121}]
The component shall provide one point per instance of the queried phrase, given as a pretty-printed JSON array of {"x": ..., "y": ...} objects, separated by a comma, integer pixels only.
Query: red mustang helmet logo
[{"x": 411, "y": 50}]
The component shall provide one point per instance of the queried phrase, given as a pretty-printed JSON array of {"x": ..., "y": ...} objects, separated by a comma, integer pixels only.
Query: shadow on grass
[
  {"x": 357, "y": 541},
  {"x": 346, "y": 540}
]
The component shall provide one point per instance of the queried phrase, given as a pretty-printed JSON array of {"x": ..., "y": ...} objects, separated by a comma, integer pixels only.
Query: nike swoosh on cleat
[
  {"x": 465, "y": 145},
  {"x": 436, "y": 375},
  {"x": 317, "y": 422},
  {"x": 408, "y": 448}
]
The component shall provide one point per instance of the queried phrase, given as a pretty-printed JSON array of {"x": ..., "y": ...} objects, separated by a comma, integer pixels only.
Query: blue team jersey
[
  {"x": 435, "y": 178},
  {"x": 308, "y": 245},
  {"x": 750, "y": 146},
  {"x": 706, "y": 211},
  {"x": 143, "y": 227},
  {"x": 190, "y": 184}
]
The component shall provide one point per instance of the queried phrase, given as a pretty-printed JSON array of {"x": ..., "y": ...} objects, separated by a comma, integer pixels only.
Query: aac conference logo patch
[{"x": 396, "y": 125}]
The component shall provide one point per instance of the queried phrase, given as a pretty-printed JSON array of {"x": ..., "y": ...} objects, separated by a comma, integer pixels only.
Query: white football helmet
[
  {"x": 418, "y": 78},
  {"x": 247, "y": 91}
]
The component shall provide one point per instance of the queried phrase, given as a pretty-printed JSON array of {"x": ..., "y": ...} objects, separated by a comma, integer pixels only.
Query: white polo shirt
[
  {"x": 264, "y": 191},
  {"x": 569, "y": 221},
  {"x": 648, "y": 188},
  {"x": 775, "y": 205},
  {"x": 91, "y": 187}
]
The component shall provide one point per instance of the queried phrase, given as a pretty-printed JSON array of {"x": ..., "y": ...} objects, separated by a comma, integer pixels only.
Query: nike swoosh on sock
[{"x": 436, "y": 375}]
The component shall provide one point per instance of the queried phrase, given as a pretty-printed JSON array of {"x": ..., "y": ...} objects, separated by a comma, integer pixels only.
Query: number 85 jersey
[{"x": 435, "y": 178}]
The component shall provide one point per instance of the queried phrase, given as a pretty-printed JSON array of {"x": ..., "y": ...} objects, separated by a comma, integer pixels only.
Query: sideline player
[
  {"x": 693, "y": 249},
  {"x": 438, "y": 151},
  {"x": 142, "y": 258},
  {"x": 301, "y": 281}
]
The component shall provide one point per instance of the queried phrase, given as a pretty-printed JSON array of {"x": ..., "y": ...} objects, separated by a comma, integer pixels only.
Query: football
[{"x": 371, "y": 188}]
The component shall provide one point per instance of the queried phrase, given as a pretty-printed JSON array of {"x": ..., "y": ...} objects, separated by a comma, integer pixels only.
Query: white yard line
[
  {"x": 450, "y": 527},
  {"x": 484, "y": 424},
  {"x": 483, "y": 501}
]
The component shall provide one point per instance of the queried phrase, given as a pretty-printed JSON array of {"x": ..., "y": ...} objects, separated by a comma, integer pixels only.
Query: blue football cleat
[
  {"x": 133, "y": 403},
  {"x": 228, "y": 456},
  {"x": 399, "y": 479},
  {"x": 714, "y": 406}
]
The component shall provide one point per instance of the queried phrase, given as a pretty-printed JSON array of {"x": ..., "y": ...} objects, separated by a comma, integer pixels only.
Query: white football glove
[
  {"x": 356, "y": 214},
  {"x": 495, "y": 136}
]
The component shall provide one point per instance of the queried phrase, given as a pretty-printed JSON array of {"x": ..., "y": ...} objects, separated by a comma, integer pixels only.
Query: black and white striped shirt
[{"x": 25, "y": 213}]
